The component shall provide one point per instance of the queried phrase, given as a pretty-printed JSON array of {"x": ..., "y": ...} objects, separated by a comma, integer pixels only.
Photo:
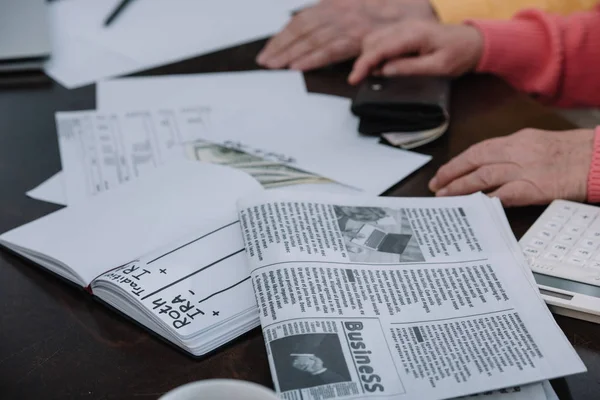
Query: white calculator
[{"x": 563, "y": 250}]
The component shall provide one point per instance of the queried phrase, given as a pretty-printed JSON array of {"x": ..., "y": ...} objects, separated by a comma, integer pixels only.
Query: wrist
[
  {"x": 477, "y": 44},
  {"x": 474, "y": 40}
]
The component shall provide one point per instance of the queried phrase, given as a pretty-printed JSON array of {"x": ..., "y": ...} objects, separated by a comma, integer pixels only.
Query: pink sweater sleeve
[
  {"x": 593, "y": 185},
  {"x": 553, "y": 57},
  {"x": 556, "y": 58}
]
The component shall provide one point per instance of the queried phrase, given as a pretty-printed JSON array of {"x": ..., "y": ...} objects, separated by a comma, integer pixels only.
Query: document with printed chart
[
  {"x": 169, "y": 91},
  {"x": 100, "y": 150}
]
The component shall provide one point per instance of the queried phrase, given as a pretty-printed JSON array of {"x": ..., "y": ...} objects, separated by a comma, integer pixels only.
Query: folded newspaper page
[{"x": 397, "y": 298}]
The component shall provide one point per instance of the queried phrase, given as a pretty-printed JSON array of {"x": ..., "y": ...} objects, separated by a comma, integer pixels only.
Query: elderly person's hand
[
  {"x": 419, "y": 48},
  {"x": 333, "y": 31},
  {"x": 525, "y": 168}
]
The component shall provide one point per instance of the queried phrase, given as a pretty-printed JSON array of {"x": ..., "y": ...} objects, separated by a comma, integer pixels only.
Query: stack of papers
[{"x": 283, "y": 136}]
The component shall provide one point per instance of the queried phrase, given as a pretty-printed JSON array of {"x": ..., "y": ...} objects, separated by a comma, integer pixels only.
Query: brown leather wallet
[{"x": 401, "y": 104}]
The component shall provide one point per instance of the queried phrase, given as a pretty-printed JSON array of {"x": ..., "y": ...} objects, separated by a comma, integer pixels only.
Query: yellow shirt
[{"x": 455, "y": 11}]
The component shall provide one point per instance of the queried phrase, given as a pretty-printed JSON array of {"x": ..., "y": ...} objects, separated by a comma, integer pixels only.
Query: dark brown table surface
[{"x": 56, "y": 342}]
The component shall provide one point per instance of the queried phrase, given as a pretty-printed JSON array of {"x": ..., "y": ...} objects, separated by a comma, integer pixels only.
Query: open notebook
[{"x": 176, "y": 234}]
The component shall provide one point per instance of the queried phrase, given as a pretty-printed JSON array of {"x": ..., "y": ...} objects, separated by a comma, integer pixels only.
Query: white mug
[{"x": 220, "y": 389}]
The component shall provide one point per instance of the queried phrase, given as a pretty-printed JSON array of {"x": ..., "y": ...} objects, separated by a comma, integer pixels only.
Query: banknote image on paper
[
  {"x": 269, "y": 173},
  {"x": 378, "y": 235},
  {"x": 308, "y": 360}
]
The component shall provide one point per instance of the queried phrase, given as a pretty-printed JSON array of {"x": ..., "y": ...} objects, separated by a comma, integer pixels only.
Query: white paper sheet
[
  {"x": 135, "y": 219},
  {"x": 293, "y": 124},
  {"x": 236, "y": 89},
  {"x": 101, "y": 150},
  {"x": 150, "y": 33},
  {"x": 51, "y": 190},
  {"x": 322, "y": 136}
]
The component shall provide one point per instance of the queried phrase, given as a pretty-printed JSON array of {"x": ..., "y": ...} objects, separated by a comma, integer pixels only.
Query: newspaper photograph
[
  {"x": 309, "y": 360},
  {"x": 395, "y": 298},
  {"x": 377, "y": 235},
  {"x": 331, "y": 358}
]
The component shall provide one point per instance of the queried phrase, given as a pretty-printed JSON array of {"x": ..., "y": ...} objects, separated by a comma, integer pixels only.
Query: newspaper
[{"x": 397, "y": 298}]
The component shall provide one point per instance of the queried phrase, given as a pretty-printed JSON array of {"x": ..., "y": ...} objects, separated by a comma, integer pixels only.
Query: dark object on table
[{"x": 407, "y": 111}]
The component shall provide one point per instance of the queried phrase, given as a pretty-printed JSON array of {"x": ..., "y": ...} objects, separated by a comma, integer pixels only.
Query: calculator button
[
  {"x": 575, "y": 261},
  {"x": 531, "y": 251},
  {"x": 595, "y": 223},
  {"x": 573, "y": 230},
  {"x": 552, "y": 256},
  {"x": 530, "y": 260},
  {"x": 539, "y": 243},
  {"x": 561, "y": 218},
  {"x": 546, "y": 235},
  {"x": 585, "y": 217},
  {"x": 589, "y": 243},
  {"x": 593, "y": 234},
  {"x": 581, "y": 225},
  {"x": 552, "y": 225},
  {"x": 542, "y": 267},
  {"x": 566, "y": 208},
  {"x": 569, "y": 239},
  {"x": 558, "y": 249},
  {"x": 582, "y": 253}
]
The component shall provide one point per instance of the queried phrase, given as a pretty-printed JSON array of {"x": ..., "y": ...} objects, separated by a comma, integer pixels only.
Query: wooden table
[{"x": 56, "y": 342}]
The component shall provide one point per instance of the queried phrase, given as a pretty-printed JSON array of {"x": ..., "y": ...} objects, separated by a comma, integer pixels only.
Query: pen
[{"x": 116, "y": 12}]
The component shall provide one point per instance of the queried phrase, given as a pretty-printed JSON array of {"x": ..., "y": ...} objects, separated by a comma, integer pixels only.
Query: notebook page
[
  {"x": 191, "y": 285},
  {"x": 127, "y": 222}
]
